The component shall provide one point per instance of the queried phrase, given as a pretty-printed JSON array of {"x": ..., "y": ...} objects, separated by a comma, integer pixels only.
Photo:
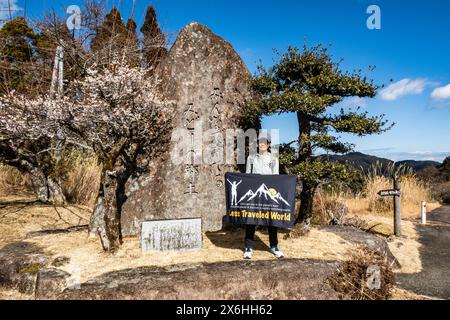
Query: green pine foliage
[
  {"x": 308, "y": 83},
  {"x": 16, "y": 52}
]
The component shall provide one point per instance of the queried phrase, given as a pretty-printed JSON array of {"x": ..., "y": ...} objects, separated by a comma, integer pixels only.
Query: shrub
[
  {"x": 352, "y": 278},
  {"x": 328, "y": 210}
]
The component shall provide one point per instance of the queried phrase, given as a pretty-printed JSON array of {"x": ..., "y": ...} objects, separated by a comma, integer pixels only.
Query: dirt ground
[{"x": 21, "y": 219}]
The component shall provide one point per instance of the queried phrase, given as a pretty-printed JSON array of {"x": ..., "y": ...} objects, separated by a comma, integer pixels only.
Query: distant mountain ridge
[{"x": 359, "y": 160}]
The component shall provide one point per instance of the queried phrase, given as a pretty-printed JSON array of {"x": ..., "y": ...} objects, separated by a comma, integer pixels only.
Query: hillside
[{"x": 360, "y": 160}]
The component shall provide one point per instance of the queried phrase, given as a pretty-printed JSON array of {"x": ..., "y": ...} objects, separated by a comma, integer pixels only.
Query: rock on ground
[
  {"x": 50, "y": 282},
  {"x": 361, "y": 237},
  {"x": 269, "y": 279},
  {"x": 20, "y": 262}
]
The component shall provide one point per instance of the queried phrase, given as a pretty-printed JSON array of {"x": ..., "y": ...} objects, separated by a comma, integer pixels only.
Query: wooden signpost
[
  {"x": 389, "y": 192},
  {"x": 396, "y": 193}
]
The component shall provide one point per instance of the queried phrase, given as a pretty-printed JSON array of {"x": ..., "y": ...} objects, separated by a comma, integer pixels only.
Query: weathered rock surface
[
  {"x": 361, "y": 237},
  {"x": 20, "y": 262},
  {"x": 205, "y": 81},
  {"x": 269, "y": 279},
  {"x": 50, "y": 282}
]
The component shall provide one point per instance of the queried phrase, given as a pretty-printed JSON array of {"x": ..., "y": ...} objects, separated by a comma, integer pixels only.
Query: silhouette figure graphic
[{"x": 234, "y": 186}]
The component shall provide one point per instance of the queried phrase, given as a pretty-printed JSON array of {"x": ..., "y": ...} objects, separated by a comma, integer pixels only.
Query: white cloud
[
  {"x": 402, "y": 88},
  {"x": 441, "y": 93},
  {"x": 4, "y": 10},
  {"x": 354, "y": 102}
]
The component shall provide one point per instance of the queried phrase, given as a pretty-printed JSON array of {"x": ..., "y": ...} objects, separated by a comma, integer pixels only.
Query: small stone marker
[{"x": 179, "y": 234}]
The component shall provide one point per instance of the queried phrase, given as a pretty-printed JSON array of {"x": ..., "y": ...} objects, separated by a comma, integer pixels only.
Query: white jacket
[{"x": 267, "y": 164}]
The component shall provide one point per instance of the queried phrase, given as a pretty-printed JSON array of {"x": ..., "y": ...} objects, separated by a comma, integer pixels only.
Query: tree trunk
[
  {"x": 40, "y": 184},
  {"x": 309, "y": 188},
  {"x": 47, "y": 189},
  {"x": 55, "y": 192},
  {"x": 97, "y": 222},
  {"x": 109, "y": 205},
  {"x": 306, "y": 206}
]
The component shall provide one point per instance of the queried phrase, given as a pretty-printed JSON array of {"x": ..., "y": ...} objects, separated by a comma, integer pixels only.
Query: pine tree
[
  {"x": 107, "y": 41},
  {"x": 130, "y": 31},
  {"x": 308, "y": 83},
  {"x": 154, "y": 40},
  {"x": 130, "y": 43},
  {"x": 17, "y": 51}
]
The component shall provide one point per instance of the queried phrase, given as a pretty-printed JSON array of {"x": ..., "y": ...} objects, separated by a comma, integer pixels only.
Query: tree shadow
[
  {"x": 17, "y": 205},
  {"x": 232, "y": 237},
  {"x": 434, "y": 238},
  {"x": 20, "y": 249}
]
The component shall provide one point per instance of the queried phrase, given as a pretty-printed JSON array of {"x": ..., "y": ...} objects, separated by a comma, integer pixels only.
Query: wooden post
[
  {"x": 56, "y": 87},
  {"x": 397, "y": 210}
]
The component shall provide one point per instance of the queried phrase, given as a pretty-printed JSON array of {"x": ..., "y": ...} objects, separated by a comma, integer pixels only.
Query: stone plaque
[{"x": 180, "y": 234}]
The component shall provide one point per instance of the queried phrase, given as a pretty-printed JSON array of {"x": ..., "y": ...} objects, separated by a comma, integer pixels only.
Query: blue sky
[{"x": 412, "y": 48}]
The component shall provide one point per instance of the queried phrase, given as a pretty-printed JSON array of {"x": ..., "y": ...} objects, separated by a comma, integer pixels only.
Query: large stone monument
[{"x": 206, "y": 81}]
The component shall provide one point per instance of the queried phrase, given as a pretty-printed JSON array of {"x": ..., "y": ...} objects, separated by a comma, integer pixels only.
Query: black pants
[{"x": 250, "y": 236}]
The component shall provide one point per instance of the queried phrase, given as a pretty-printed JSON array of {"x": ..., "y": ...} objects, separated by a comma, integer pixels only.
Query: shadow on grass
[{"x": 232, "y": 237}]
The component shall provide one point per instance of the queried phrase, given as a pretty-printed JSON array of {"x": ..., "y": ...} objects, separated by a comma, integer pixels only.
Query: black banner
[{"x": 267, "y": 200}]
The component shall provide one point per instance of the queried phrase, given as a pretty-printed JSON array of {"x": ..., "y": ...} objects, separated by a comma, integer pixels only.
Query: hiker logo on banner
[{"x": 266, "y": 200}]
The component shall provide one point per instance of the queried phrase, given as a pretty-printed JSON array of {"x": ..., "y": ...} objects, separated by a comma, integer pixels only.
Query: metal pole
[
  {"x": 424, "y": 212},
  {"x": 397, "y": 210}
]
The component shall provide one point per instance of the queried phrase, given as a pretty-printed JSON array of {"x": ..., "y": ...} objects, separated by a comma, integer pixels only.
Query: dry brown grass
[
  {"x": 351, "y": 278},
  {"x": 9, "y": 294},
  {"x": 413, "y": 190},
  {"x": 20, "y": 215},
  {"x": 402, "y": 294},
  {"x": 368, "y": 202},
  {"x": 405, "y": 249},
  {"x": 82, "y": 180},
  {"x": 12, "y": 181},
  {"x": 377, "y": 212},
  {"x": 87, "y": 255}
]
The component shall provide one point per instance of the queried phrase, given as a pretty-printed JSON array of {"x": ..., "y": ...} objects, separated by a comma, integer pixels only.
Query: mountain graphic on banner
[{"x": 262, "y": 191}]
